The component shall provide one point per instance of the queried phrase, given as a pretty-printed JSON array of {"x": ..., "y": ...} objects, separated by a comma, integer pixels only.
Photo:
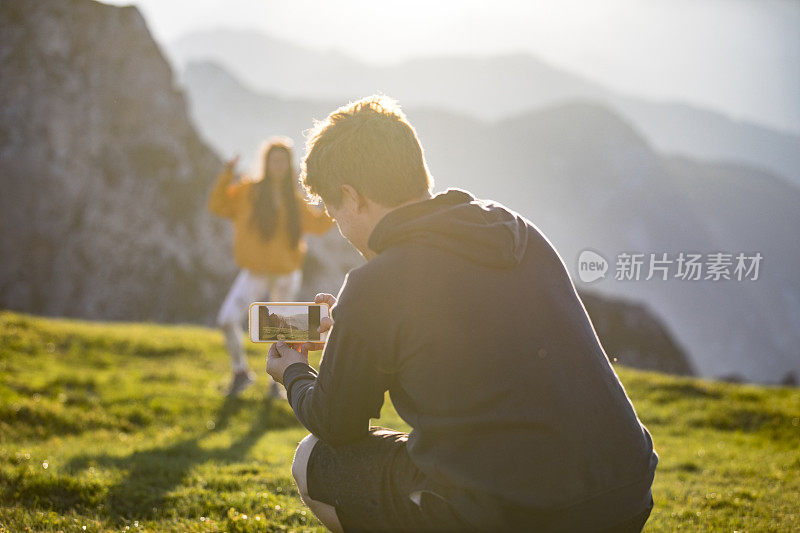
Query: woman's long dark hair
[{"x": 265, "y": 206}]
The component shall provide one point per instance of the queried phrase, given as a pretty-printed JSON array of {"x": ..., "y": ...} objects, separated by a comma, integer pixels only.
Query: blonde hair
[{"x": 370, "y": 145}]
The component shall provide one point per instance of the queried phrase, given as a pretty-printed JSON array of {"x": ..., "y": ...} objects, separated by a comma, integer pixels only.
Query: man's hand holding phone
[{"x": 282, "y": 354}]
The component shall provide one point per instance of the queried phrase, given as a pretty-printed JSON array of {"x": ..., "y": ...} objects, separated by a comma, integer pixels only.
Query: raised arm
[{"x": 220, "y": 200}]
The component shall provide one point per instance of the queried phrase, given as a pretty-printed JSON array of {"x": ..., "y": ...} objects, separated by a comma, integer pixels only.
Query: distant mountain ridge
[
  {"x": 487, "y": 88},
  {"x": 298, "y": 320}
]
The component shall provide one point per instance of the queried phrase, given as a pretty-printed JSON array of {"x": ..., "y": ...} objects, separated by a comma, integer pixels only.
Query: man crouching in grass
[{"x": 467, "y": 315}]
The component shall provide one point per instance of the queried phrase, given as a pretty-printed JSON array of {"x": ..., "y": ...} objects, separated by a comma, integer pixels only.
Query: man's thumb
[
  {"x": 282, "y": 347},
  {"x": 273, "y": 351}
]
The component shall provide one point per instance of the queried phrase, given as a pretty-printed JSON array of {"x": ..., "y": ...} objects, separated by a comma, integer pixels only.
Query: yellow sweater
[{"x": 251, "y": 251}]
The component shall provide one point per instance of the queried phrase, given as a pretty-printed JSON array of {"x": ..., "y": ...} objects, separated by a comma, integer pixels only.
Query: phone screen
[{"x": 288, "y": 322}]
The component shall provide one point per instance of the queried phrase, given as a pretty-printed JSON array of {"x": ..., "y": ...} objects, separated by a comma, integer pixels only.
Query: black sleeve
[
  {"x": 336, "y": 404},
  {"x": 302, "y": 372}
]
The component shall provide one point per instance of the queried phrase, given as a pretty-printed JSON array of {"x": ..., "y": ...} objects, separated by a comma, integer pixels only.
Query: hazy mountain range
[
  {"x": 583, "y": 174},
  {"x": 298, "y": 320},
  {"x": 487, "y": 88}
]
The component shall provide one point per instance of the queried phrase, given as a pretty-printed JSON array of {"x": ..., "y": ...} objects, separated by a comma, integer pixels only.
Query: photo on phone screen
[{"x": 288, "y": 322}]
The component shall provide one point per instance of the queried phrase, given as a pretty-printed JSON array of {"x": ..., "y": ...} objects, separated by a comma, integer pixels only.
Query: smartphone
[{"x": 287, "y": 321}]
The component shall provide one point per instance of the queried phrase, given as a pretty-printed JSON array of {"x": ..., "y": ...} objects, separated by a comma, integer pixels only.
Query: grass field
[
  {"x": 124, "y": 427},
  {"x": 289, "y": 334}
]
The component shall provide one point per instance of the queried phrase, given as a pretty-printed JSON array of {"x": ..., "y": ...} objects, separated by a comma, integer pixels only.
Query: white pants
[{"x": 249, "y": 287}]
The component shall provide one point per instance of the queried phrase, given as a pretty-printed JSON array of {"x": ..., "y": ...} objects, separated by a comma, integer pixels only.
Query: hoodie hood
[{"x": 482, "y": 231}]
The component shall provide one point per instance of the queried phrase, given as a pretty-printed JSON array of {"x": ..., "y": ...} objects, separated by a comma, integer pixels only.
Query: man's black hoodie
[{"x": 468, "y": 317}]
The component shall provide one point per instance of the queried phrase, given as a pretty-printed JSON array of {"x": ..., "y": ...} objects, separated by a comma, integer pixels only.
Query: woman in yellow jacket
[{"x": 269, "y": 218}]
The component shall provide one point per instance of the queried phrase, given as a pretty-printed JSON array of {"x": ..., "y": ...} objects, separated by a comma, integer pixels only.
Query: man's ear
[{"x": 358, "y": 200}]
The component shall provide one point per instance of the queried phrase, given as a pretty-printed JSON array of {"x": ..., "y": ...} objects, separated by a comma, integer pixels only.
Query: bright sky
[{"x": 739, "y": 56}]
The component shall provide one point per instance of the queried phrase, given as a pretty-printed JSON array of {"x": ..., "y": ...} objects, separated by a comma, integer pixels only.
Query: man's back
[
  {"x": 465, "y": 313},
  {"x": 489, "y": 355}
]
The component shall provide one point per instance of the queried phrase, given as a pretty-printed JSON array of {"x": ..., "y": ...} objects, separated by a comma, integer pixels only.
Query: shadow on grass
[{"x": 152, "y": 473}]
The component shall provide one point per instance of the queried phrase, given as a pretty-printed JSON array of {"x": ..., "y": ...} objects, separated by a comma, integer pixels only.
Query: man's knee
[
  {"x": 300, "y": 463},
  {"x": 326, "y": 513}
]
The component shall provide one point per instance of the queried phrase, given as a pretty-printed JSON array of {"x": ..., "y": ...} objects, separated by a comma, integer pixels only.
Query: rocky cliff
[
  {"x": 103, "y": 176},
  {"x": 632, "y": 336}
]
